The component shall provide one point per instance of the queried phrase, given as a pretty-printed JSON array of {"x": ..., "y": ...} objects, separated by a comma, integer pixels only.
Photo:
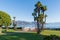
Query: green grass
[
  {"x": 12, "y": 35},
  {"x": 20, "y": 36},
  {"x": 50, "y": 32},
  {"x": 9, "y": 30}
]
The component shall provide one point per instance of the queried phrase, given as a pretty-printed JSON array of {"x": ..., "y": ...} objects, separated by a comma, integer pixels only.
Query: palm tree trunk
[
  {"x": 0, "y": 28},
  {"x": 39, "y": 12},
  {"x": 14, "y": 27},
  {"x": 38, "y": 29}
]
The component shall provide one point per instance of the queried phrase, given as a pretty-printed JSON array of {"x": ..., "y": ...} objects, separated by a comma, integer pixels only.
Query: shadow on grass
[{"x": 26, "y": 36}]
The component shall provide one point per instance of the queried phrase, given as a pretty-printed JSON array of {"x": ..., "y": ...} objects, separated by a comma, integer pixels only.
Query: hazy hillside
[{"x": 33, "y": 24}]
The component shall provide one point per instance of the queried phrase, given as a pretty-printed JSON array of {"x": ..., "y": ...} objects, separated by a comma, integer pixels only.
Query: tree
[
  {"x": 38, "y": 16},
  {"x": 14, "y": 23},
  {"x": 37, "y": 10},
  {"x": 38, "y": 7},
  {"x": 43, "y": 8},
  {"x": 5, "y": 19},
  {"x": 0, "y": 24}
]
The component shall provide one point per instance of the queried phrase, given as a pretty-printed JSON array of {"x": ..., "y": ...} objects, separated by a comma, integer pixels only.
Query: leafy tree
[{"x": 5, "y": 19}]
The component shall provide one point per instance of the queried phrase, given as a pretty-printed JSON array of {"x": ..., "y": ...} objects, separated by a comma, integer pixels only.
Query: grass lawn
[
  {"x": 28, "y": 35},
  {"x": 50, "y": 32},
  {"x": 20, "y": 36}
]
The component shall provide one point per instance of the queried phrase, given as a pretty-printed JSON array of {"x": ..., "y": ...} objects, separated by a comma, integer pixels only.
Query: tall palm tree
[
  {"x": 14, "y": 23},
  {"x": 38, "y": 17},
  {"x": 43, "y": 8},
  {"x": 14, "y": 18},
  {"x": 37, "y": 10}
]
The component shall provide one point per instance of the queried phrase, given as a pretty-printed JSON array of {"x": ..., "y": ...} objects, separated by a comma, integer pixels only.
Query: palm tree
[
  {"x": 38, "y": 7},
  {"x": 38, "y": 17},
  {"x": 43, "y": 8},
  {"x": 14, "y": 23},
  {"x": 37, "y": 10},
  {"x": 14, "y": 18}
]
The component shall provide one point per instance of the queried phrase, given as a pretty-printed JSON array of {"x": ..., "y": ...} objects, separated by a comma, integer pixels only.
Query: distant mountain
[
  {"x": 33, "y": 24},
  {"x": 25, "y": 24}
]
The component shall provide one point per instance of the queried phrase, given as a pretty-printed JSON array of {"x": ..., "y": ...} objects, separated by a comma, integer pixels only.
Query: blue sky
[{"x": 22, "y": 9}]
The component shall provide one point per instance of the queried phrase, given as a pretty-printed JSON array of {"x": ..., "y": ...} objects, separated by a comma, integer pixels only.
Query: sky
[{"x": 23, "y": 9}]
